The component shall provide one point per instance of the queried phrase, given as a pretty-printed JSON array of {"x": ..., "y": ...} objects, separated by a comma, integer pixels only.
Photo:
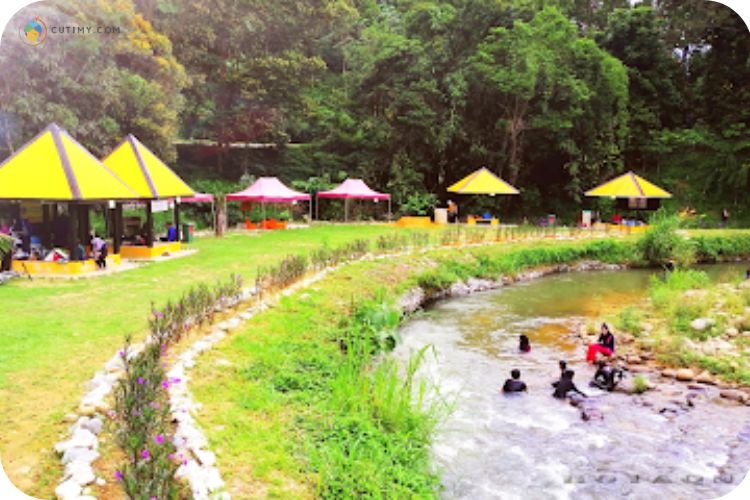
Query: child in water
[{"x": 524, "y": 344}]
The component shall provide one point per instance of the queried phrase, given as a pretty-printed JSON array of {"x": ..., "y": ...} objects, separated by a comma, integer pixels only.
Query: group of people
[{"x": 605, "y": 378}]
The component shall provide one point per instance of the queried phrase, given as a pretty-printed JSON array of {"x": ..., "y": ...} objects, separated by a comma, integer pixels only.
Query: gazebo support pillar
[
  {"x": 46, "y": 226},
  {"x": 149, "y": 225},
  {"x": 177, "y": 218}
]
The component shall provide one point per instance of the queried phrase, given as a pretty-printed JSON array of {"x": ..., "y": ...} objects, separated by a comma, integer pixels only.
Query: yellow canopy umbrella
[
  {"x": 629, "y": 185},
  {"x": 145, "y": 172},
  {"x": 482, "y": 182},
  {"x": 54, "y": 167}
]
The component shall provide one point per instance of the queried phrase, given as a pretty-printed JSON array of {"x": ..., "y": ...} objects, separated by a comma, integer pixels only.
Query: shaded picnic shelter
[
  {"x": 153, "y": 181},
  {"x": 59, "y": 181},
  {"x": 482, "y": 182},
  {"x": 354, "y": 189},
  {"x": 631, "y": 191}
]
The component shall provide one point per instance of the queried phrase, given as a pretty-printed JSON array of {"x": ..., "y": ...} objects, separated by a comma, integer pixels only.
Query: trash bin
[
  {"x": 551, "y": 219},
  {"x": 188, "y": 232},
  {"x": 441, "y": 216}
]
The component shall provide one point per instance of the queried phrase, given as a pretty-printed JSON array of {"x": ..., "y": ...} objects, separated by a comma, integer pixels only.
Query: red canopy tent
[
  {"x": 269, "y": 190},
  {"x": 355, "y": 189}
]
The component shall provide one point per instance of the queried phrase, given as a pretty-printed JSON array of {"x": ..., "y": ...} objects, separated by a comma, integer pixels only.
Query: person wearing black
[
  {"x": 514, "y": 384},
  {"x": 606, "y": 377},
  {"x": 524, "y": 345},
  {"x": 563, "y": 366},
  {"x": 566, "y": 385},
  {"x": 605, "y": 345}
]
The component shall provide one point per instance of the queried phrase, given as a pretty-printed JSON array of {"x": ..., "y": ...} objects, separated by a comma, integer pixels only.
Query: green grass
[{"x": 55, "y": 334}]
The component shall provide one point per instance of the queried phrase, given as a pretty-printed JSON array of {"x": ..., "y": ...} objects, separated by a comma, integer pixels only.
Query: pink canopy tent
[
  {"x": 355, "y": 189},
  {"x": 269, "y": 190},
  {"x": 198, "y": 198}
]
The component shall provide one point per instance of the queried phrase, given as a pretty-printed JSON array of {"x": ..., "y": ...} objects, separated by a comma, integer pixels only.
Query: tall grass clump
[
  {"x": 661, "y": 243},
  {"x": 629, "y": 320},
  {"x": 375, "y": 441}
]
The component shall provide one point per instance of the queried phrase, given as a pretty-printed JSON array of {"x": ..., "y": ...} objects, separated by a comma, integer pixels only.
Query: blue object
[
  {"x": 171, "y": 233},
  {"x": 487, "y": 215}
]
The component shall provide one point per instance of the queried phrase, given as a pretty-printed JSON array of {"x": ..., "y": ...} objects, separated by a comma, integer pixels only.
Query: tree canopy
[{"x": 408, "y": 94}]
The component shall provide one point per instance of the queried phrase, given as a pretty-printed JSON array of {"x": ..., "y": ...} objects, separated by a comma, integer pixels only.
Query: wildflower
[
  {"x": 159, "y": 439},
  {"x": 153, "y": 405},
  {"x": 118, "y": 475},
  {"x": 121, "y": 353},
  {"x": 145, "y": 454},
  {"x": 175, "y": 380},
  {"x": 141, "y": 380},
  {"x": 165, "y": 384}
]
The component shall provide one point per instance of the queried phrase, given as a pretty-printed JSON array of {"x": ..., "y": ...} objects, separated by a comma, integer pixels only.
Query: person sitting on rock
[
  {"x": 606, "y": 377},
  {"x": 605, "y": 345},
  {"x": 524, "y": 345},
  {"x": 565, "y": 385},
  {"x": 514, "y": 384}
]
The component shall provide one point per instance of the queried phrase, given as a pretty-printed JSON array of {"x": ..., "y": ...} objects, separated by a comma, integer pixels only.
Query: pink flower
[
  {"x": 165, "y": 384},
  {"x": 154, "y": 405},
  {"x": 159, "y": 439},
  {"x": 145, "y": 454},
  {"x": 118, "y": 475},
  {"x": 175, "y": 380},
  {"x": 141, "y": 380}
]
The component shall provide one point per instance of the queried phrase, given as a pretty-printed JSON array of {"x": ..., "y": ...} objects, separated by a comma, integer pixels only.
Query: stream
[{"x": 533, "y": 446}]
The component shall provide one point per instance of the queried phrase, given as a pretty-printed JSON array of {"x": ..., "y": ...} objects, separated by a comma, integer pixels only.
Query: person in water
[
  {"x": 563, "y": 366},
  {"x": 514, "y": 383},
  {"x": 605, "y": 345},
  {"x": 565, "y": 385},
  {"x": 524, "y": 344},
  {"x": 606, "y": 377}
]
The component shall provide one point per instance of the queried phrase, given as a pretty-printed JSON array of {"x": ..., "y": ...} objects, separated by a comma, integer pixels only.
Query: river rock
[
  {"x": 80, "y": 472},
  {"x": 701, "y": 324},
  {"x": 733, "y": 395},
  {"x": 85, "y": 455},
  {"x": 669, "y": 372},
  {"x": 705, "y": 378},
  {"x": 81, "y": 438},
  {"x": 633, "y": 359},
  {"x": 731, "y": 332},
  {"x": 68, "y": 490},
  {"x": 684, "y": 374},
  {"x": 86, "y": 410}
]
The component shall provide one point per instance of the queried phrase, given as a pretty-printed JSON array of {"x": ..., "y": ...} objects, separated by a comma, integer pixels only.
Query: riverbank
[{"x": 267, "y": 392}]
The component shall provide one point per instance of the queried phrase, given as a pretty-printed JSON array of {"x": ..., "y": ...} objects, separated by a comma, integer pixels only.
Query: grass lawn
[{"x": 55, "y": 334}]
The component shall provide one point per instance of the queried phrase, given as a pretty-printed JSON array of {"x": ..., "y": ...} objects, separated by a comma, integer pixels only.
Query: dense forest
[{"x": 552, "y": 95}]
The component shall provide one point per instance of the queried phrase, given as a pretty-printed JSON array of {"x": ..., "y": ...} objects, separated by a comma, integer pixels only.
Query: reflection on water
[{"x": 533, "y": 446}]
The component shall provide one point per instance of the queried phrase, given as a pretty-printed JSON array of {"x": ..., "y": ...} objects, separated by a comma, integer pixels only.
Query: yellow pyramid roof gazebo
[
  {"x": 54, "y": 167},
  {"x": 144, "y": 171},
  {"x": 629, "y": 185},
  {"x": 482, "y": 182}
]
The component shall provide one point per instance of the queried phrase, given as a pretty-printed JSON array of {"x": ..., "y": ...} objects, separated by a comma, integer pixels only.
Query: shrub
[
  {"x": 661, "y": 243},
  {"x": 629, "y": 320},
  {"x": 640, "y": 384}
]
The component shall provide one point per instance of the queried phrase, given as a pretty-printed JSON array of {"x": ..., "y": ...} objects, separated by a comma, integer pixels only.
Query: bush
[
  {"x": 629, "y": 320},
  {"x": 661, "y": 243},
  {"x": 640, "y": 384}
]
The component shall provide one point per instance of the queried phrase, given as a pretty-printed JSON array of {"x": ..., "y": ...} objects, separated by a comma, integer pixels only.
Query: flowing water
[{"x": 533, "y": 446}]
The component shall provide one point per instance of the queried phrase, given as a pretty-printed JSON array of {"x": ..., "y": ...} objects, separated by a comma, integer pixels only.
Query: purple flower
[
  {"x": 118, "y": 475},
  {"x": 145, "y": 454},
  {"x": 141, "y": 380},
  {"x": 154, "y": 405},
  {"x": 159, "y": 439},
  {"x": 175, "y": 380},
  {"x": 170, "y": 456},
  {"x": 165, "y": 384},
  {"x": 121, "y": 353}
]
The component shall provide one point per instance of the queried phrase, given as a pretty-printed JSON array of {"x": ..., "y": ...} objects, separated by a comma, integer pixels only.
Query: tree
[{"x": 101, "y": 87}]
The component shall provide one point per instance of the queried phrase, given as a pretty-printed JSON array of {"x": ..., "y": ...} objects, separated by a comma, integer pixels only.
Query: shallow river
[{"x": 532, "y": 446}]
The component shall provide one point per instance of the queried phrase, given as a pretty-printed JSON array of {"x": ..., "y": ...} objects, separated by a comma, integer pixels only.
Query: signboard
[{"x": 159, "y": 206}]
